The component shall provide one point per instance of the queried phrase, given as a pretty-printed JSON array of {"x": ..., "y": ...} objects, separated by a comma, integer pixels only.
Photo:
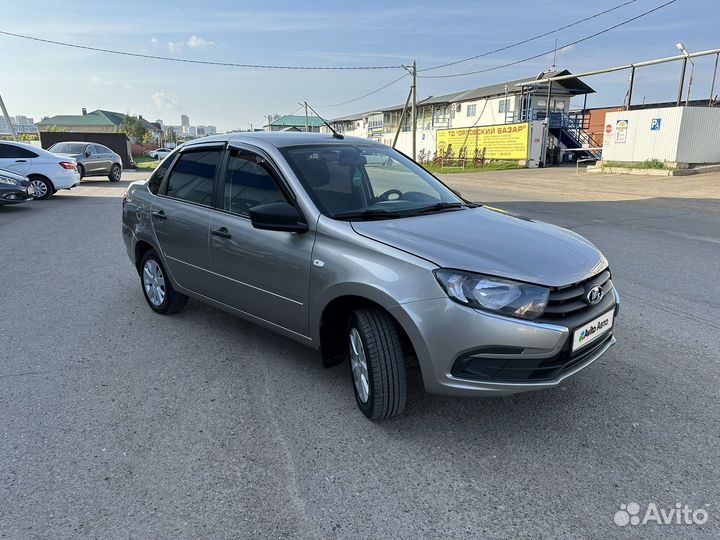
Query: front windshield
[
  {"x": 367, "y": 182},
  {"x": 68, "y": 148}
]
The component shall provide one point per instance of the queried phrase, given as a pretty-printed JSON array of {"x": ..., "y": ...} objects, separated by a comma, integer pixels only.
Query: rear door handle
[
  {"x": 160, "y": 214},
  {"x": 222, "y": 232}
]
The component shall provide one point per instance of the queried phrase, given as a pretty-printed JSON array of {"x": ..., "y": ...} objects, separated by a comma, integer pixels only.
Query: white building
[{"x": 495, "y": 105}]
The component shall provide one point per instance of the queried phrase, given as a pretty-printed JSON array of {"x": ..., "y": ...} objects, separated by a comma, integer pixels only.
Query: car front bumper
[{"x": 522, "y": 355}]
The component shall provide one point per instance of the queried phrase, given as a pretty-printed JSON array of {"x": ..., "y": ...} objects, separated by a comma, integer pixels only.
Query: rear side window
[
  {"x": 193, "y": 175},
  {"x": 248, "y": 183},
  {"x": 18, "y": 152},
  {"x": 156, "y": 178},
  {"x": 99, "y": 149}
]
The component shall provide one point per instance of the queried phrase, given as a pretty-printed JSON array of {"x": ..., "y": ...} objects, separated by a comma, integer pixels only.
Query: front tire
[
  {"x": 156, "y": 286},
  {"x": 377, "y": 363},
  {"x": 115, "y": 173},
  {"x": 81, "y": 171},
  {"x": 42, "y": 187}
]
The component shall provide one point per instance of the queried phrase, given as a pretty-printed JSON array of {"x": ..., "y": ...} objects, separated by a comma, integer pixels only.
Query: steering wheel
[{"x": 385, "y": 196}]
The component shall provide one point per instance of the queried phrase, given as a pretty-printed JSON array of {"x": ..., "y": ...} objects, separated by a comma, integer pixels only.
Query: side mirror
[{"x": 278, "y": 216}]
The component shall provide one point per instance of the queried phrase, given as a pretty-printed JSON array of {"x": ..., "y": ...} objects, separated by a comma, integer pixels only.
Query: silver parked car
[
  {"x": 375, "y": 264},
  {"x": 92, "y": 159}
]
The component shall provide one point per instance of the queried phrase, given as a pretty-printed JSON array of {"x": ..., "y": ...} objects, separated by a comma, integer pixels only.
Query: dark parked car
[
  {"x": 92, "y": 159},
  {"x": 14, "y": 188}
]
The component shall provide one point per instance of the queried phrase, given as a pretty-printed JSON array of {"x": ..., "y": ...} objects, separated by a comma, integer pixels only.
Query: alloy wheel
[
  {"x": 359, "y": 367},
  {"x": 154, "y": 282}
]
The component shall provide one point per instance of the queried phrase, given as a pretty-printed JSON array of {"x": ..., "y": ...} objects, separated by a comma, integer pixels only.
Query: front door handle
[
  {"x": 160, "y": 214},
  {"x": 21, "y": 161},
  {"x": 222, "y": 232}
]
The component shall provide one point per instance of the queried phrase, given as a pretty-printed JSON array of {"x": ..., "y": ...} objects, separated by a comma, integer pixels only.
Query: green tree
[{"x": 134, "y": 129}]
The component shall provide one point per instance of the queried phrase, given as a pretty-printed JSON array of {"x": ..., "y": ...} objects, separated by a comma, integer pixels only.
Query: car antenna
[{"x": 335, "y": 134}]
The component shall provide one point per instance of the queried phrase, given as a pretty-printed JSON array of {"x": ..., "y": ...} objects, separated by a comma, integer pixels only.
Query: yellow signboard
[{"x": 507, "y": 141}]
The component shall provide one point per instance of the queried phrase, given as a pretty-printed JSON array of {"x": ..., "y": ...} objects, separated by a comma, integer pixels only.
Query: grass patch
[
  {"x": 145, "y": 162},
  {"x": 647, "y": 164},
  {"x": 470, "y": 168}
]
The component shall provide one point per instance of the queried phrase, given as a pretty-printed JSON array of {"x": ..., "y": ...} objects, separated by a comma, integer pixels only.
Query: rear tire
[
  {"x": 156, "y": 286},
  {"x": 42, "y": 186},
  {"x": 377, "y": 363},
  {"x": 115, "y": 173}
]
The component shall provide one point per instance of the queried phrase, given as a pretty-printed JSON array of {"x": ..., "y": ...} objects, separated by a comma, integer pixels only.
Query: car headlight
[
  {"x": 7, "y": 180},
  {"x": 495, "y": 294}
]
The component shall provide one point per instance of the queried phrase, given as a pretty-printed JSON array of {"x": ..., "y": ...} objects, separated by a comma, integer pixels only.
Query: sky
[{"x": 40, "y": 79}]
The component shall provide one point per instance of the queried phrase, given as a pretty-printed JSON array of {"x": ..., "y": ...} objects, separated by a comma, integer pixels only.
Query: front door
[
  {"x": 181, "y": 216},
  {"x": 263, "y": 273}
]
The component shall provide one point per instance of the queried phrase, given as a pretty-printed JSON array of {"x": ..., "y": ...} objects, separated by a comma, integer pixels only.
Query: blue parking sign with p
[{"x": 655, "y": 124}]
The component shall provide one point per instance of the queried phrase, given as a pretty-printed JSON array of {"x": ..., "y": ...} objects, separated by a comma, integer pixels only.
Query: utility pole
[
  {"x": 7, "y": 119},
  {"x": 682, "y": 82},
  {"x": 269, "y": 126},
  {"x": 306, "y": 117},
  {"x": 414, "y": 110}
]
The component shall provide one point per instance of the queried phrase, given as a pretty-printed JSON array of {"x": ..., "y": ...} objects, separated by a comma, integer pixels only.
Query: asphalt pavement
[{"x": 116, "y": 422}]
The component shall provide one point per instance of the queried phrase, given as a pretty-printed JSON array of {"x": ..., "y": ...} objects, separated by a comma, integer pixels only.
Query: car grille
[{"x": 569, "y": 307}]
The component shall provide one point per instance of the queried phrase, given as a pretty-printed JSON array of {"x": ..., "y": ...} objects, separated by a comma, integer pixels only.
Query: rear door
[
  {"x": 263, "y": 273},
  {"x": 16, "y": 158},
  {"x": 181, "y": 215}
]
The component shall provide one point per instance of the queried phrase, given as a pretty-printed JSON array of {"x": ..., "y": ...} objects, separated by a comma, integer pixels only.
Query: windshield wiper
[
  {"x": 440, "y": 207},
  {"x": 368, "y": 214}
]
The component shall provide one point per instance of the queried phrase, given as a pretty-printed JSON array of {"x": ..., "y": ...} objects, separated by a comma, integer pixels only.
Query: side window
[
  {"x": 192, "y": 177},
  {"x": 99, "y": 149},
  {"x": 16, "y": 152},
  {"x": 156, "y": 178},
  {"x": 248, "y": 183}
]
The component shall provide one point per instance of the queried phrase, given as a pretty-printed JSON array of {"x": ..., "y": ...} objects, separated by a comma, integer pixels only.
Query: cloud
[
  {"x": 153, "y": 40},
  {"x": 164, "y": 102},
  {"x": 98, "y": 84},
  {"x": 174, "y": 46},
  {"x": 195, "y": 42}
]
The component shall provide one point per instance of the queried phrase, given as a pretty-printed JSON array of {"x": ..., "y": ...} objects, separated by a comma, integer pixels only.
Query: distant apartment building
[{"x": 22, "y": 125}]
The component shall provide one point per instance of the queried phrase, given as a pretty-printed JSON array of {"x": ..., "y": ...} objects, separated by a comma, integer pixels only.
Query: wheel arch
[
  {"x": 333, "y": 320},
  {"x": 42, "y": 176},
  {"x": 141, "y": 248}
]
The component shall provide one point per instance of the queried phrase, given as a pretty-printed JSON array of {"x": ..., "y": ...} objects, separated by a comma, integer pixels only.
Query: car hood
[{"x": 493, "y": 242}]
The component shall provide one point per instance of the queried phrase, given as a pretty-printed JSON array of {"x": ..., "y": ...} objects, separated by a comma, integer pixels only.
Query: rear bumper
[
  {"x": 66, "y": 179},
  {"x": 528, "y": 355}
]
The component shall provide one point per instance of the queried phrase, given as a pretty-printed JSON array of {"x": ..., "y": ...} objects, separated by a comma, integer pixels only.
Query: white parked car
[
  {"x": 160, "y": 153},
  {"x": 46, "y": 171}
]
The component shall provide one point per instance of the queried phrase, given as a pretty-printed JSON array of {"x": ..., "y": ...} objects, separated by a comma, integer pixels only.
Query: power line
[
  {"x": 528, "y": 40},
  {"x": 189, "y": 61},
  {"x": 383, "y": 87},
  {"x": 586, "y": 38}
]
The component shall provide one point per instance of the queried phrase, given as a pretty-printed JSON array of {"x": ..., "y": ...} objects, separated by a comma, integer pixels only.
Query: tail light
[{"x": 69, "y": 165}]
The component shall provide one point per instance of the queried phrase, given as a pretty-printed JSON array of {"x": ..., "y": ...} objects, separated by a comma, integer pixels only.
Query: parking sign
[{"x": 655, "y": 124}]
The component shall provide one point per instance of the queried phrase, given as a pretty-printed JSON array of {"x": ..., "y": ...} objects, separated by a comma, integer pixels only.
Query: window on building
[
  {"x": 192, "y": 177},
  {"x": 504, "y": 105},
  {"x": 472, "y": 110}
]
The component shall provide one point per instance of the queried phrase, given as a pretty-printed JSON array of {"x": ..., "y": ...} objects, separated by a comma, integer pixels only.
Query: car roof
[{"x": 281, "y": 139}]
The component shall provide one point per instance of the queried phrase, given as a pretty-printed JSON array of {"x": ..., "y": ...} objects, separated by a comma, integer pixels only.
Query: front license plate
[{"x": 591, "y": 331}]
